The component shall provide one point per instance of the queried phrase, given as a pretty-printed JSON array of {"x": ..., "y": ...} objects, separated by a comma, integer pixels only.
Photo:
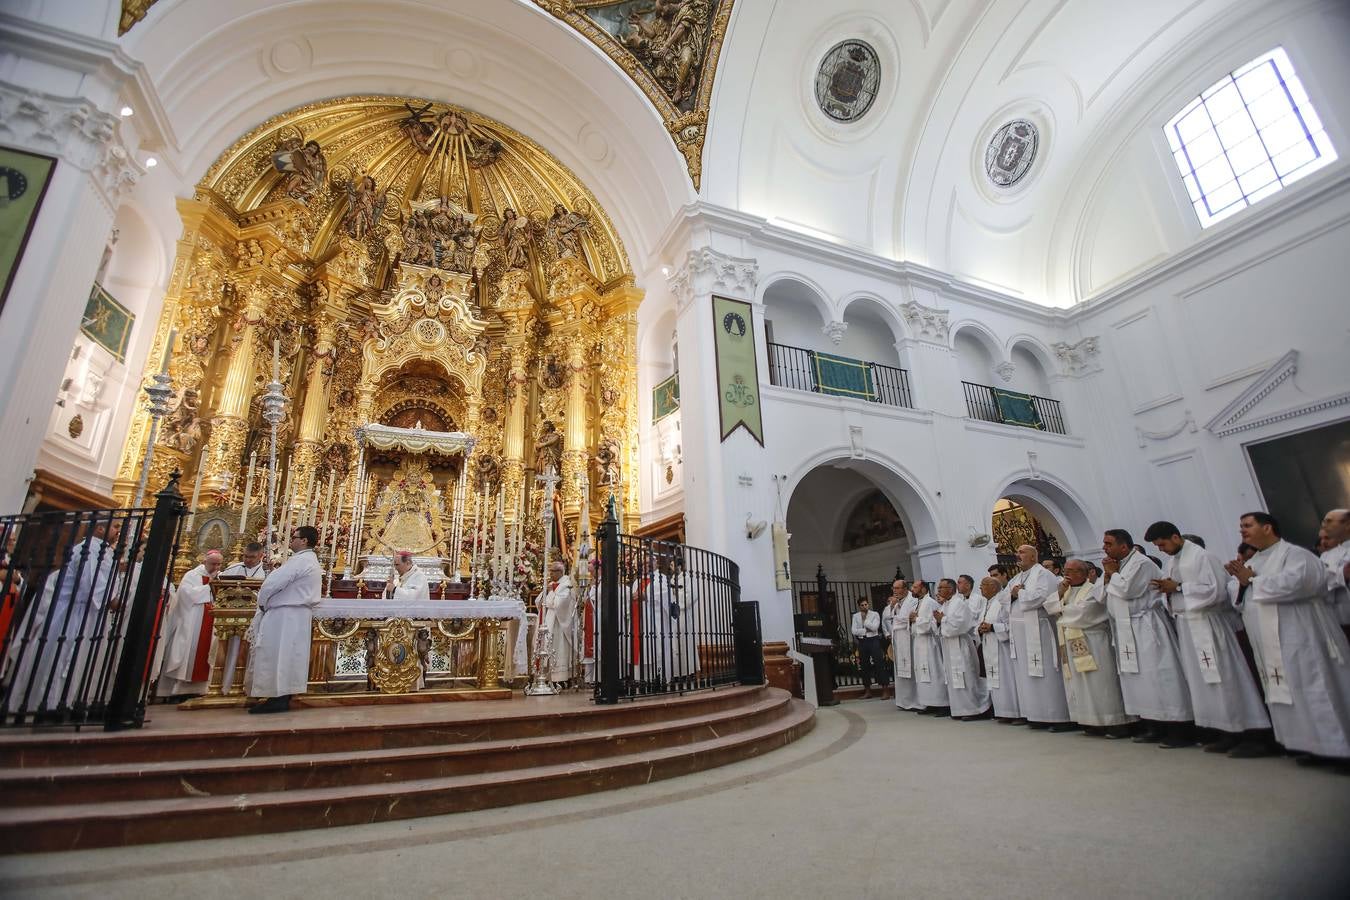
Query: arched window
[{"x": 1246, "y": 137}]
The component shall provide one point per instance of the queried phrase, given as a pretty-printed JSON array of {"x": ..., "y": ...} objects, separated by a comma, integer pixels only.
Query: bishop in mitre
[
  {"x": 1223, "y": 692},
  {"x": 1302, "y": 652},
  {"x": 282, "y": 625},
  {"x": 1040, "y": 689},
  {"x": 557, "y": 612},
  {"x": 409, "y": 582},
  {"x": 187, "y": 632},
  {"x": 1091, "y": 683}
]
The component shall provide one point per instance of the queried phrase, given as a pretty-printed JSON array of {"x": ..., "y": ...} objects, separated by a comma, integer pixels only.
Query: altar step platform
[{"x": 219, "y": 773}]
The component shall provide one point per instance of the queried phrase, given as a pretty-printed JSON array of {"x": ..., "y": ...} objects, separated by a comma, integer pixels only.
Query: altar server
[
  {"x": 1151, "y": 679},
  {"x": 186, "y": 633},
  {"x": 1040, "y": 688},
  {"x": 1304, "y": 657},
  {"x": 251, "y": 566},
  {"x": 1091, "y": 684},
  {"x": 409, "y": 582},
  {"x": 286, "y": 601},
  {"x": 998, "y": 659},
  {"x": 930, "y": 676},
  {"x": 965, "y": 686},
  {"x": 557, "y": 611},
  {"x": 902, "y": 652},
  {"x": 650, "y": 609},
  {"x": 1223, "y": 692}
]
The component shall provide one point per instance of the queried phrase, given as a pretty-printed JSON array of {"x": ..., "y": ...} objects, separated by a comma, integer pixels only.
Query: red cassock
[
  {"x": 637, "y": 619},
  {"x": 201, "y": 663}
]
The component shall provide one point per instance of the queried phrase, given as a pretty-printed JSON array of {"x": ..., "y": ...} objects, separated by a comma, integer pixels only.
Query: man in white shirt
[
  {"x": 285, "y": 617},
  {"x": 866, "y": 630},
  {"x": 251, "y": 566},
  {"x": 1336, "y": 557},
  {"x": 1147, "y": 658},
  {"x": 1223, "y": 692},
  {"x": 187, "y": 663},
  {"x": 409, "y": 582},
  {"x": 1304, "y": 656},
  {"x": 1040, "y": 688}
]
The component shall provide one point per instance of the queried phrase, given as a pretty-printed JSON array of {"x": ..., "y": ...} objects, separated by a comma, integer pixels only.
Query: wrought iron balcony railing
[
  {"x": 991, "y": 404},
  {"x": 825, "y": 373}
]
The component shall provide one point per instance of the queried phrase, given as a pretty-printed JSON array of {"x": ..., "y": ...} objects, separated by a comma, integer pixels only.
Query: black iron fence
[
  {"x": 991, "y": 404},
  {"x": 836, "y": 602},
  {"x": 81, "y": 595},
  {"x": 824, "y": 373},
  {"x": 670, "y": 619}
]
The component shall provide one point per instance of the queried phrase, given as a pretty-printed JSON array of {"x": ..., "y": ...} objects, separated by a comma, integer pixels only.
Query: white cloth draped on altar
[{"x": 353, "y": 608}]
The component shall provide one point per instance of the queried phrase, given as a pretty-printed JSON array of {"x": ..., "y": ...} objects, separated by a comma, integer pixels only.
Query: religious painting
[
  {"x": 666, "y": 398},
  {"x": 737, "y": 368},
  {"x": 873, "y": 521},
  {"x": 668, "y": 37},
  {"x": 23, "y": 183},
  {"x": 1010, "y": 154},
  {"x": 107, "y": 323},
  {"x": 847, "y": 80}
]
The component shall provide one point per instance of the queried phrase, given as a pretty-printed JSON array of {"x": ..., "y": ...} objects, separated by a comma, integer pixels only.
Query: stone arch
[
  {"x": 1049, "y": 496},
  {"x": 797, "y": 288}
]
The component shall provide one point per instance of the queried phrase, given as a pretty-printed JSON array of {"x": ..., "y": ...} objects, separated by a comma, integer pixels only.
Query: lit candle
[
  {"x": 477, "y": 535},
  {"x": 499, "y": 533},
  {"x": 168, "y": 351},
  {"x": 248, "y": 491}
]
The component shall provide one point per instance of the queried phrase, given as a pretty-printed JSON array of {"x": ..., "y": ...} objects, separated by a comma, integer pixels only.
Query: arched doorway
[{"x": 1040, "y": 512}]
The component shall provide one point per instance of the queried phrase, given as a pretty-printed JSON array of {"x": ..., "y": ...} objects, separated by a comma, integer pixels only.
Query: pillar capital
[{"x": 706, "y": 271}]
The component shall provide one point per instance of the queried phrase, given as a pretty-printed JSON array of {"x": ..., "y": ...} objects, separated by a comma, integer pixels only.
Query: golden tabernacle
[{"x": 393, "y": 267}]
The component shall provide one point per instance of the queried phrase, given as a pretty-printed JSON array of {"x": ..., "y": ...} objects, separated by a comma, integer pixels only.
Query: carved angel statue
[
  {"x": 418, "y": 128},
  {"x": 670, "y": 37},
  {"x": 306, "y": 165},
  {"x": 365, "y": 205},
  {"x": 515, "y": 239},
  {"x": 564, "y": 231},
  {"x": 183, "y": 428},
  {"x": 548, "y": 448}
]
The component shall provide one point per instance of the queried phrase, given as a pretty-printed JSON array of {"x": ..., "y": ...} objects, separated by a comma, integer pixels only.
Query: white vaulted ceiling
[{"x": 907, "y": 180}]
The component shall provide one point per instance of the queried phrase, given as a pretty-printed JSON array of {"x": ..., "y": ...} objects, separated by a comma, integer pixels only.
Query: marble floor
[{"x": 872, "y": 803}]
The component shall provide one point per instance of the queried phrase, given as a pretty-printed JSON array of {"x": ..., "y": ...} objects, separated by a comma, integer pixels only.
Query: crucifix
[{"x": 550, "y": 481}]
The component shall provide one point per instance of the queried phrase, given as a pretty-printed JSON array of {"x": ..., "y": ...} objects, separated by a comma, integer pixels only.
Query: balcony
[
  {"x": 839, "y": 376},
  {"x": 991, "y": 404}
]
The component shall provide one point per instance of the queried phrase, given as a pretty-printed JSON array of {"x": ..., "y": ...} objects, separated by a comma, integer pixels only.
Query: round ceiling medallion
[
  {"x": 847, "y": 80},
  {"x": 1010, "y": 154}
]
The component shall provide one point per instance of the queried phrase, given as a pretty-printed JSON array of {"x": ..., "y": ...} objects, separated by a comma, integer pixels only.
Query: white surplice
[
  {"x": 684, "y": 629},
  {"x": 1223, "y": 692},
  {"x": 411, "y": 586},
  {"x": 181, "y": 632},
  {"x": 930, "y": 677},
  {"x": 1339, "y": 597},
  {"x": 1040, "y": 689},
  {"x": 286, "y": 601},
  {"x": 999, "y": 665},
  {"x": 902, "y": 653},
  {"x": 1147, "y": 658},
  {"x": 242, "y": 569},
  {"x": 888, "y": 613},
  {"x": 559, "y": 607},
  {"x": 652, "y": 597},
  {"x": 1091, "y": 684},
  {"x": 1304, "y": 658},
  {"x": 965, "y": 685}
]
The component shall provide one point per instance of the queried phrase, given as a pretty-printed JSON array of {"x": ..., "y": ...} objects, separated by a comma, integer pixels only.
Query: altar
[{"x": 367, "y": 649}]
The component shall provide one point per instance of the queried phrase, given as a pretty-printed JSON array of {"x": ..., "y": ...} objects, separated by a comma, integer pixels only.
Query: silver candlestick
[
  {"x": 274, "y": 410},
  {"x": 160, "y": 391},
  {"x": 542, "y": 685}
]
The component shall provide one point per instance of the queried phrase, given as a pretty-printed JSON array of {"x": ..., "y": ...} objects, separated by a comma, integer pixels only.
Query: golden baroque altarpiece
[{"x": 419, "y": 266}]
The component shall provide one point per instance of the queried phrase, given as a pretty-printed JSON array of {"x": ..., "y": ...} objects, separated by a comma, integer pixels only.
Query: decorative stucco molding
[
  {"x": 706, "y": 271},
  {"x": 925, "y": 322},
  {"x": 1234, "y": 417},
  {"x": 1079, "y": 359},
  {"x": 835, "y": 331},
  {"x": 1186, "y": 424}
]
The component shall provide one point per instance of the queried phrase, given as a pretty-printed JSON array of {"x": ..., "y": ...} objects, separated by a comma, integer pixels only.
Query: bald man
[
  {"x": 998, "y": 658},
  {"x": 187, "y": 632},
  {"x": 1336, "y": 557},
  {"x": 1040, "y": 687}
]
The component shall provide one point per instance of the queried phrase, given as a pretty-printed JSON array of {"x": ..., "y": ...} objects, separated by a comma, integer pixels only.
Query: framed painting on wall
[
  {"x": 107, "y": 323},
  {"x": 23, "y": 183}
]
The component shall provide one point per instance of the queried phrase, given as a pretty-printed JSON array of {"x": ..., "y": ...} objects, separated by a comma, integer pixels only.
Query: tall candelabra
[
  {"x": 160, "y": 392},
  {"x": 542, "y": 685},
  {"x": 274, "y": 410}
]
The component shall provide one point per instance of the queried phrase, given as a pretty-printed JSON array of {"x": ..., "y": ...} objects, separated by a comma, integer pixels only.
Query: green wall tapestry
[{"x": 107, "y": 323}]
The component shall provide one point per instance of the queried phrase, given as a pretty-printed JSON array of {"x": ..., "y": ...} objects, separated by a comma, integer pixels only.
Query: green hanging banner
[
  {"x": 841, "y": 376},
  {"x": 737, "y": 368},
  {"x": 1018, "y": 409}
]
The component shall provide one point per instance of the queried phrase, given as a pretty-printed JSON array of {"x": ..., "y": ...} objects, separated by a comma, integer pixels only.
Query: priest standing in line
[
  {"x": 1091, "y": 684},
  {"x": 899, "y": 590},
  {"x": 409, "y": 582},
  {"x": 1040, "y": 688},
  {"x": 1151, "y": 679},
  {"x": 187, "y": 633},
  {"x": 866, "y": 631},
  {"x": 1223, "y": 692},
  {"x": 965, "y": 685},
  {"x": 902, "y": 649},
  {"x": 286, "y": 601},
  {"x": 998, "y": 658},
  {"x": 557, "y": 609},
  {"x": 1305, "y": 660},
  {"x": 251, "y": 566},
  {"x": 930, "y": 676},
  {"x": 1336, "y": 531}
]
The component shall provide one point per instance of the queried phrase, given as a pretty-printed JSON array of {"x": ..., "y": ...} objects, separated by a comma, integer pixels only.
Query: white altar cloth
[{"x": 375, "y": 608}]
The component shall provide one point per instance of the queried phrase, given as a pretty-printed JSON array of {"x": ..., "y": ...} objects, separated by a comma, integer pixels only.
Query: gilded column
[
  {"x": 229, "y": 428},
  {"x": 513, "y": 434},
  {"x": 575, "y": 451},
  {"x": 314, "y": 416}
]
